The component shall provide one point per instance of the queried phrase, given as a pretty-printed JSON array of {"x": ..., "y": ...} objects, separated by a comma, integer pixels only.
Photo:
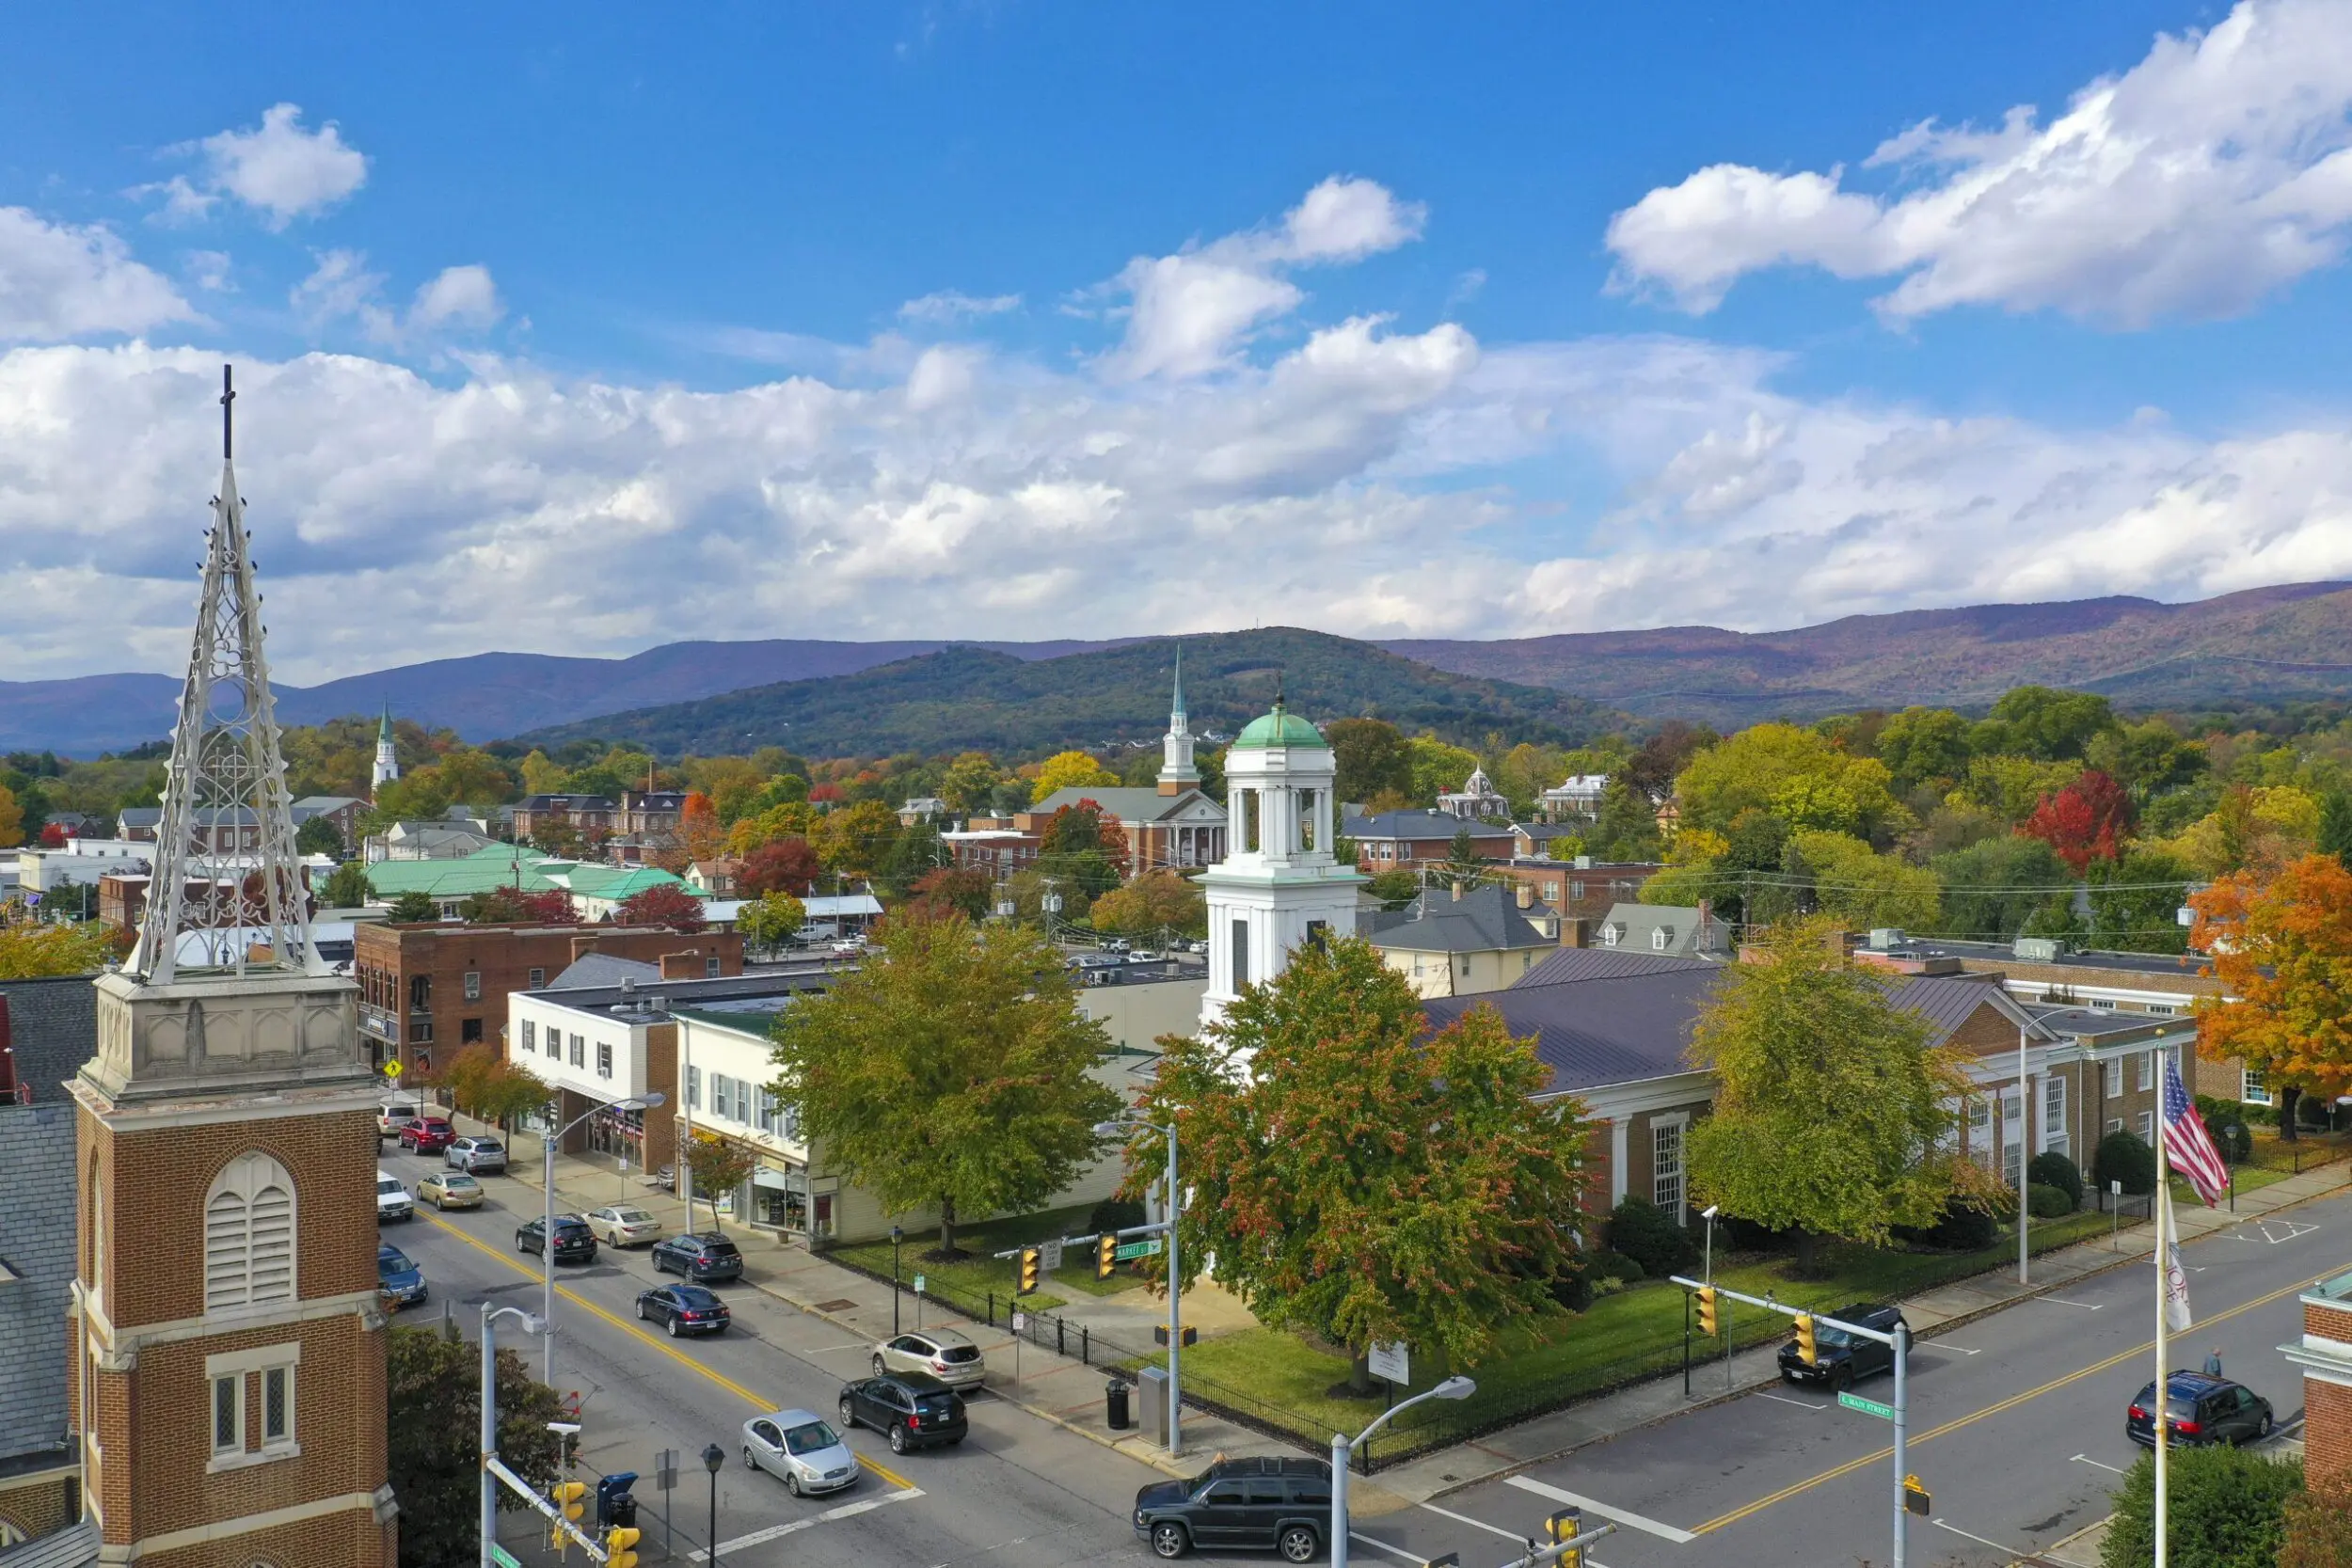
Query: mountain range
[{"x": 2263, "y": 645}]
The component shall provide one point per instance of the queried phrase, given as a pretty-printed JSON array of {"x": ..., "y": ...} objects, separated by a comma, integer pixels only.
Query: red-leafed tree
[
  {"x": 780, "y": 865},
  {"x": 961, "y": 890},
  {"x": 506, "y": 906},
  {"x": 663, "y": 904},
  {"x": 2084, "y": 822},
  {"x": 53, "y": 837},
  {"x": 823, "y": 792},
  {"x": 1086, "y": 826}
]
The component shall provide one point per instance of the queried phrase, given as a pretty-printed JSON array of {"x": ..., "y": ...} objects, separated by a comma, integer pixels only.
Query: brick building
[
  {"x": 2324, "y": 1353},
  {"x": 444, "y": 986},
  {"x": 1390, "y": 840}
]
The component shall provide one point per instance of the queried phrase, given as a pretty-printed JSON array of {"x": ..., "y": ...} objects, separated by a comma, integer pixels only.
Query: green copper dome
[{"x": 1279, "y": 728}]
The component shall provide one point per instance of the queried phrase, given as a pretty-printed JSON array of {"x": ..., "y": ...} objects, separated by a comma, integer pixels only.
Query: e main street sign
[{"x": 1869, "y": 1407}]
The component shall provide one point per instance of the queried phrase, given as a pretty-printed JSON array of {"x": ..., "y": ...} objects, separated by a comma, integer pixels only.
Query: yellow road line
[
  {"x": 757, "y": 1402},
  {"x": 2010, "y": 1403}
]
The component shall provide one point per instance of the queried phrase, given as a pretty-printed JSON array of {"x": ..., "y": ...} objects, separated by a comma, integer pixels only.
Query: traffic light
[
  {"x": 568, "y": 1496},
  {"x": 1030, "y": 1258},
  {"x": 1566, "y": 1524},
  {"x": 1807, "y": 1350},
  {"x": 1707, "y": 1311},
  {"x": 620, "y": 1546},
  {"x": 1106, "y": 1255}
]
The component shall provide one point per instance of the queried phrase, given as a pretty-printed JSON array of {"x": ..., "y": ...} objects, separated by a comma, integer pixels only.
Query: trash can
[{"x": 1115, "y": 1403}]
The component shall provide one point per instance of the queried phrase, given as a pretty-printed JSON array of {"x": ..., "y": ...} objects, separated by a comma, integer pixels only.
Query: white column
[{"x": 1619, "y": 1129}]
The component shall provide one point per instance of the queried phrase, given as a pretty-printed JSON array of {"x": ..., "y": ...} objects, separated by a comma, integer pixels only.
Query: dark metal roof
[
  {"x": 1419, "y": 824},
  {"x": 1601, "y": 963},
  {"x": 54, "y": 1025},
  {"x": 1482, "y": 920}
]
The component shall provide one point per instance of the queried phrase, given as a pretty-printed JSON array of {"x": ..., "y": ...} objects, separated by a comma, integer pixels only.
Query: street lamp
[
  {"x": 1451, "y": 1388},
  {"x": 490, "y": 1416},
  {"x": 896, "y": 1236},
  {"x": 1175, "y": 1280},
  {"x": 547, "y": 1236},
  {"x": 713, "y": 1457}
]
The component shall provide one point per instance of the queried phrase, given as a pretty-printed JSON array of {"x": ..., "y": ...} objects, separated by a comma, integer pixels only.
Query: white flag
[{"x": 2175, "y": 1289}]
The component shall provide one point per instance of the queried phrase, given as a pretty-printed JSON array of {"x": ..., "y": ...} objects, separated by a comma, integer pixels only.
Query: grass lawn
[
  {"x": 979, "y": 1274},
  {"x": 1543, "y": 1364},
  {"x": 2251, "y": 1179}
]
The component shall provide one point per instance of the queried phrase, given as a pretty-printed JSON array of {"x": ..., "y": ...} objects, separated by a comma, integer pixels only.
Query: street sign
[
  {"x": 1151, "y": 1246},
  {"x": 1019, "y": 1322},
  {"x": 1392, "y": 1362},
  {"x": 391, "y": 1069},
  {"x": 503, "y": 1557},
  {"x": 918, "y": 1284},
  {"x": 1049, "y": 1256},
  {"x": 1869, "y": 1407}
]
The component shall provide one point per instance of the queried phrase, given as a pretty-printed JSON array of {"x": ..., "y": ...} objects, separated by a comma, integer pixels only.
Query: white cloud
[
  {"x": 2215, "y": 170},
  {"x": 209, "y": 270},
  {"x": 279, "y": 168},
  {"x": 341, "y": 287},
  {"x": 59, "y": 281},
  {"x": 949, "y": 306},
  {"x": 459, "y": 296}
]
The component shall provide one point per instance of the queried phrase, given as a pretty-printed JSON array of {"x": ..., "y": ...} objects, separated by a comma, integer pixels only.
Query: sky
[{"x": 580, "y": 330}]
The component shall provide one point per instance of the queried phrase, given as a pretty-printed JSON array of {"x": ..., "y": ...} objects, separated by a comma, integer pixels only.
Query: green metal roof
[{"x": 1278, "y": 728}]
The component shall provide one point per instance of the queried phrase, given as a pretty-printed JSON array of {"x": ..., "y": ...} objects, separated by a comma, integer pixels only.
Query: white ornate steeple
[
  {"x": 1177, "y": 772},
  {"x": 386, "y": 760}
]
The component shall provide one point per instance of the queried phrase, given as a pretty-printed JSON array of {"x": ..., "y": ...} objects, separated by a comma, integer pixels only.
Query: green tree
[
  {"x": 2335, "y": 825},
  {"x": 1993, "y": 889},
  {"x": 346, "y": 887},
  {"x": 2225, "y": 1508},
  {"x": 2135, "y": 903},
  {"x": 32, "y": 952},
  {"x": 413, "y": 908},
  {"x": 1794, "y": 774},
  {"x": 2044, "y": 722},
  {"x": 320, "y": 836},
  {"x": 1464, "y": 867},
  {"x": 1627, "y": 827},
  {"x": 1861, "y": 888},
  {"x": 967, "y": 782},
  {"x": 1832, "y": 1104},
  {"x": 957, "y": 1070},
  {"x": 1155, "y": 901},
  {"x": 1360, "y": 1178},
  {"x": 719, "y": 1167},
  {"x": 2146, "y": 758},
  {"x": 1373, "y": 756},
  {"x": 1437, "y": 766},
  {"x": 1396, "y": 889},
  {"x": 434, "y": 1410},
  {"x": 770, "y": 920},
  {"x": 1922, "y": 744}
]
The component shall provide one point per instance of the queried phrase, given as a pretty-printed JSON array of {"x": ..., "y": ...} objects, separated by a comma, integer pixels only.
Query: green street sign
[
  {"x": 503, "y": 1557},
  {"x": 1129, "y": 1251},
  {"x": 1869, "y": 1407}
]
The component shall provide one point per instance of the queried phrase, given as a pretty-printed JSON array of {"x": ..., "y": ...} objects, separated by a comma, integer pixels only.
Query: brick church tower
[{"x": 228, "y": 1382}]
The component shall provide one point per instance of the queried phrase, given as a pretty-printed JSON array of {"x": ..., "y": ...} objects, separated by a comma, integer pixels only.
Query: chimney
[
  {"x": 682, "y": 966},
  {"x": 1527, "y": 896},
  {"x": 1576, "y": 930},
  {"x": 1458, "y": 893},
  {"x": 582, "y": 947}
]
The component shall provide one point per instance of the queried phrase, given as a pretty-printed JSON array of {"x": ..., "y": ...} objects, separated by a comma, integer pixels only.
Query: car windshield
[
  {"x": 695, "y": 1296},
  {"x": 489, "y": 1145},
  {"x": 393, "y": 1261},
  {"x": 1824, "y": 1335},
  {"x": 811, "y": 1439},
  {"x": 631, "y": 1216},
  {"x": 386, "y": 1185},
  {"x": 570, "y": 1226},
  {"x": 959, "y": 1352},
  {"x": 718, "y": 1249}
]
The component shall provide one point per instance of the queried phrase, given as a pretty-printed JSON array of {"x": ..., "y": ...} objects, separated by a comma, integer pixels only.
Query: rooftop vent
[
  {"x": 2041, "y": 950},
  {"x": 1885, "y": 938}
]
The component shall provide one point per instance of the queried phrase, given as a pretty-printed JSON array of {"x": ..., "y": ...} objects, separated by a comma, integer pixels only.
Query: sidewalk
[{"x": 1064, "y": 1390}]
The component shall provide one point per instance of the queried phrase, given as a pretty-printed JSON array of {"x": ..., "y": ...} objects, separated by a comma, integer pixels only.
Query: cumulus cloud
[
  {"x": 459, "y": 296},
  {"x": 341, "y": 287},
  {"x": 950, "y": 307},
  {"x": 2213, "y": 171},
  {"x": 279, "y": 168},
  {"x": 59, "y": 281}
]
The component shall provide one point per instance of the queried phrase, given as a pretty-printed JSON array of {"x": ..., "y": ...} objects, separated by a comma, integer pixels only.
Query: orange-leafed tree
[
  {"x": 699, "y": 829},
  {"x": 2282, "y": 946}
]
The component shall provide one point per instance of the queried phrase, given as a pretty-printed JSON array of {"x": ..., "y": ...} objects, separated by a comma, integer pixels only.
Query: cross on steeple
[{"x": 228, "y": 415}]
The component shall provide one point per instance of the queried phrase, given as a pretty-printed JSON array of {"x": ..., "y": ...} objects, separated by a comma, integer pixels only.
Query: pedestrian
[{"x": 2213, "y": 1362}]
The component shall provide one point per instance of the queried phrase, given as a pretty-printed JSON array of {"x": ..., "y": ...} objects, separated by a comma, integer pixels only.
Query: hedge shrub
[
  {"x": 1963, "y": 1229},
  {"x": 1650, "y": 1236},
  {"x": 2056, "y": 1170},
  {"x": 2227, "y": 1508},
  {"x": 2048, "y": 1203},
  {"x": 2124, "y": 1156}
]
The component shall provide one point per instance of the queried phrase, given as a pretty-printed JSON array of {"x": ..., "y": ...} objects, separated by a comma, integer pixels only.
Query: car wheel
[
  {"x": 1296, "y": 1544},
  {"x": 643, "y": 1316},
  {"x": 1841, "y": 1380},
  {"x": 748, "y": 1463},
  {"x": 673, "y": 1328},
  {"x": 1170, "y": 1540},
  {"x": 848, "y": 1416},
  {"x": 898, "y": 1439},
  {"x": 2263, "y": 1431},
  {"x": 878, "y": 1365},
  {"x": 792, "y": 1482}
]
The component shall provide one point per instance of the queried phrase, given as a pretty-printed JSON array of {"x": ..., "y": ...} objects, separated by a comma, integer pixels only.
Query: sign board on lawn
[
  {"x": 1392, "y": 1362},
  {"x": 918, "y": 1284},
  {"x": 1869, "y": 1407},
  {"x": 1151, "y": 1246},
  {"x": 1049, "y": 1256}
]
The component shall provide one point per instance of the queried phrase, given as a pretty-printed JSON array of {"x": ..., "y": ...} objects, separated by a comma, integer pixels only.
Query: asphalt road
[
  {"x": 2017, "y": 1427},
  {"x": 1016, "y": 1491}
]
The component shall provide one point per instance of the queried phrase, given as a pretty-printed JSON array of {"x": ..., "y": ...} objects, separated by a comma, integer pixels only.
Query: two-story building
[
  {"x": 593, "y": 816},
  {"x": 1581, "y": 888},
  {"x": 1460, "y": 941},
  {"x": 1405, "y": 840}
]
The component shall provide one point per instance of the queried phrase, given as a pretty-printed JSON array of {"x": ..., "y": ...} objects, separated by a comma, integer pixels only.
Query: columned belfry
[{"x": 229, "y": 1385}]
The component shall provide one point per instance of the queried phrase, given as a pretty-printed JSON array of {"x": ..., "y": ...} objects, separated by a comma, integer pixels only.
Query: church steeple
[
  {"x": 386, "y": 760},
  {"x": 1177, "y": 772}
]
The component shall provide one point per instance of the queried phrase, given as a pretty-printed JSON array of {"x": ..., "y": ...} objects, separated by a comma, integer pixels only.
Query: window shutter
[
  {"x": 225, "y": 1251},
  {"x": 273, "y": 1245}
]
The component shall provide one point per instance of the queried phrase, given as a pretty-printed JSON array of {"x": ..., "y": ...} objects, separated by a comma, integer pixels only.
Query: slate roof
[
  {"x": 36, "y": 1243},
  {"x": 53, "y": 1024},
  {"x": 1126, "y": 803},
  {"x": 1419, "y": 824},
  {"x": 1636, "y": 926},
  {"x": 594, "y": 970},
  {"x": 74, "y": 1546},
  {"x": 1482, "y": 920}
]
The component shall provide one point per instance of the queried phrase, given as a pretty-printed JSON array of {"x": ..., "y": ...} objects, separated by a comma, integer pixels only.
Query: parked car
[
  {"x": 574, "y": 1242},
  {"x": 391, "y": 1199},
  {"x": 392, "y": 1115},
  {"x": 1143, "y": 955},
  {"x": 400, "y": 1282},
  {"x": 800, "y": 1446},
  {"x": 912, "y": 1410},
  {"x": 943, "y": 1352},
  {"x": 1117, "y": 944},
  {"x": 1845, "y": 1358},
  {"x": 479, "y": 1155},
  {"x": 2199, "y": 1411},
  {"x": 428, "y": 1134},
  {"x": 622, "y": 1225},
  {"x": 848, "y": 947},
  {"x": 701, "y": 1258},
  {"x": 684, "y": 1309},
  {"x": 1279, "y": 1505},
  {"x": 449, "y": 1189}
]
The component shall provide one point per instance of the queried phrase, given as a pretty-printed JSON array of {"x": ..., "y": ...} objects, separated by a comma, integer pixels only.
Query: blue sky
[{"x": 1003, "y": 320}]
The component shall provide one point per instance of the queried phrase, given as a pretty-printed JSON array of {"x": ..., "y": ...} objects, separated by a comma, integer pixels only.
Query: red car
[{"x": 428, "y": 1135}]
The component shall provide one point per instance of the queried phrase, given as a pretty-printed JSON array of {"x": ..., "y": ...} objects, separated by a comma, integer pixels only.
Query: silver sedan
[
  {"x": 625, "y": 1225},
  {"x": 799, "y": 1446}
]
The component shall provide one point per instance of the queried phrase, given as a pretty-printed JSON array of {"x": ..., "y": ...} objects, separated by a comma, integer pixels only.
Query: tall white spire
[
  {"x": 1177, "y": 772},
  {"x": 386, "y": 757},
  {"x": 227, "y": 777}
]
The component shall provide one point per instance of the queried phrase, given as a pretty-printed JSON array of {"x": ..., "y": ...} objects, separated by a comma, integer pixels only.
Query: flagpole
[{"x": 2164, "y": 1312}]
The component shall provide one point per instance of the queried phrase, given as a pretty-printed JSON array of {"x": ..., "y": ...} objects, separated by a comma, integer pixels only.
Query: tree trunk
[
  {"x": 1808, "y": 1248},
  {"x": 2290, "y": 1101},
  {"x": 1359, "y": 1372},
  {"x": 946, "y": 1227}
]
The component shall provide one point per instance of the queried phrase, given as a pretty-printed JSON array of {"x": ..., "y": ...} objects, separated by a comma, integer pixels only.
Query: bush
[
  {"x": 1618, "y": 1266},
  {"x": 2057, "y": 1170},
  {"x": 1963, "y": 1228},
  {"x": 2228, "y": 1510},
  {"x": 2319, "y": 1531},
  {"x": 1747, "y": 1236},
  {"x": 1648, "y": 1235},
  {"x": 2048, "y": 1203},
  {"x": 2123, "y": 1157},
  {"x": 1115, "y": 1213}
]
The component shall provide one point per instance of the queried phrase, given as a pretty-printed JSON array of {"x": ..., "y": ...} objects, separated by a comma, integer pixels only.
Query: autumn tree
[
  {"x": 32, "y": 952},
  {"x": 771, "y": 824},
  {"x": 1793, "y": 774},
  {"x": 2282, "y": 947},
  {"x": 11, "y": 819},
  {"x": 433, "y": 1388},
  {"x": 488, "y": 1087},
  {"x": 663, "y": 904},
  {"x": 968, "y": 782},
  {"x": 1084, "y": 827},
  {"x": 1155, "y": 901},
  {"x": 699, "y": 831},
  {"x": 854, "y": 839},
  {"x": 1360, "y": 1178},
  {"x": 719, "y": 1167},
  {"x": 508, "y": 906},
  {"x": 1438, "y": 766},
  {"x": 1374, "y": 759},
  {"x": 2044, "y": 722},
  {"x": 780, "y": 865},
  {"x": 1833, "y": 1104},
  {"x": 1859, "y": 887},
  {"x": 1069, "y": 770},
  {"x": 956, "y": 1071},
  {"x": 2085, "y": 821},
  {"x": 951, "y": 890},
  {"x": 770, "y": 920}
]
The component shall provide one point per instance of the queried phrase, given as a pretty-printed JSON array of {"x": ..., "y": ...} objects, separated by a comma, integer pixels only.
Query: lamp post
[
  {"x": 546, "y": 1234},
  {"x": 490, "y": 1417},
  {"x": 896, "y": 1236},
  {"x": 1451, "y": 1388},
  {"x": 1175, "y": 1278},
  {"x": 713, "y": 1457}
]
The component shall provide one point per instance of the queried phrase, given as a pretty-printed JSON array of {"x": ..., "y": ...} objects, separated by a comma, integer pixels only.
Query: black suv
[
  {"x": 1845, "y": 1359},
  {"x": 1280, "y": 1505},
  {"x": 912, "y": 1410},
  {"x": 574, "y": 1242},
  {"x": 700, "y": 1258},
  {"x": 2202, "y": 1410}
]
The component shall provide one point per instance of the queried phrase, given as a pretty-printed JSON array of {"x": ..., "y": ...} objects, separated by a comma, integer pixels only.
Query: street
[
  {"x": 2016, "y": 1424},
  {"x": 1016, "y": 1491}
]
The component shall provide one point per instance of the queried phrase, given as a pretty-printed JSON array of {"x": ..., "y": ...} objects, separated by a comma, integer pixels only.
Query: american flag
[{"x": 2186, "y": 1144}]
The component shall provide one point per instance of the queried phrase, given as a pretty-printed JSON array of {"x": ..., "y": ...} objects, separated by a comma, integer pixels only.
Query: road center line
[{"x": 1631, "y": 1521}]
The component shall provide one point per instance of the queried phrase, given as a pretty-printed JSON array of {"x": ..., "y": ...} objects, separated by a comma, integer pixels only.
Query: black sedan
[
  {"x": 574, "y": 1242},
  {"x": 686, "y": 1309},
  {"x": 1844, "y": 1359},
  {"x": 2202, "y": 1410},
  {"x": 912, "y": 1410}
]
